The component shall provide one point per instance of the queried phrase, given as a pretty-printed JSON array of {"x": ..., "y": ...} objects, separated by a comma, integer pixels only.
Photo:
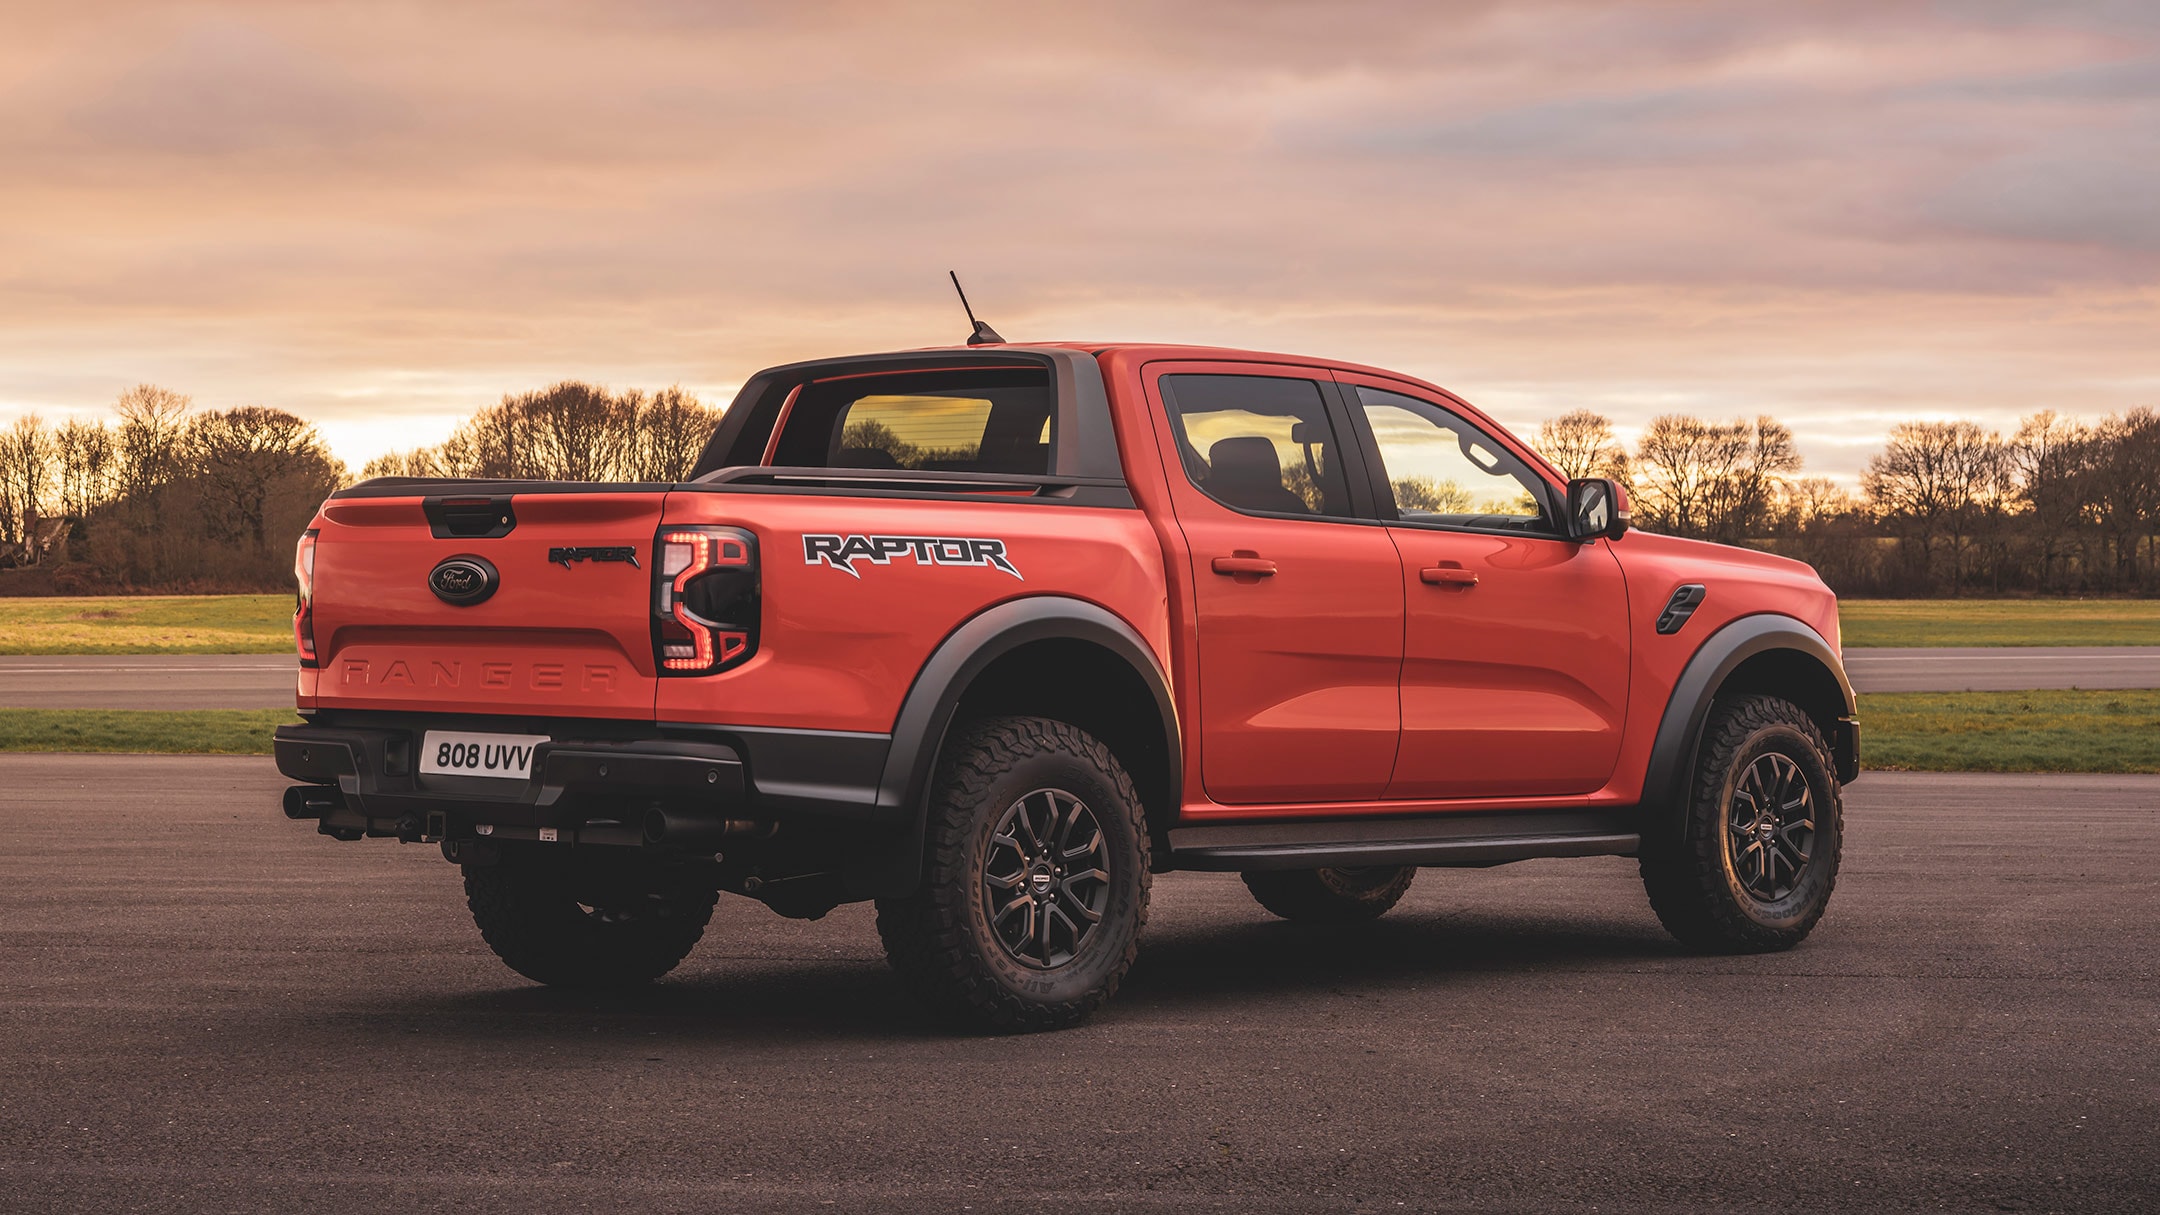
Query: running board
[{"x": 1461, "y": 840}]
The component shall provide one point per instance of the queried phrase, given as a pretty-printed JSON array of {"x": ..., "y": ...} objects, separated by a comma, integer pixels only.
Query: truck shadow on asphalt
[{"x": 1182, "y": 970}]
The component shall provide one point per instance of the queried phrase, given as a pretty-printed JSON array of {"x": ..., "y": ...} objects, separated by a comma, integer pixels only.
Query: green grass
[
  {"x": 1999, "y": 622},
  {"x": 147, "y": 624},
  {"x": 2011, "y": 731},
  {"x": 1912, "y": 731},
  {"x": 149, "y": 731}
]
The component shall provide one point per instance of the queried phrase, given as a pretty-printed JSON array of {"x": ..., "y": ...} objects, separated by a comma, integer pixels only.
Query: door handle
[
  {"x": 1244, "y": 563},
  {"x": 1448, "y": 575}
]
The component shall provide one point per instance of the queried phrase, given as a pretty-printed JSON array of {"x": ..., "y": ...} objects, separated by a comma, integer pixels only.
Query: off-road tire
[
  {"x": 570, "y": 921},
  {"x": 1330, "y": 896},
  {"x": 1695, "y": 883},
  {"x": 941, "y": 939}
]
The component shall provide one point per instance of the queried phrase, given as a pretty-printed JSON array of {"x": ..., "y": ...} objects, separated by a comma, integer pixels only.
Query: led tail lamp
[{"x": 705, "y": 599}]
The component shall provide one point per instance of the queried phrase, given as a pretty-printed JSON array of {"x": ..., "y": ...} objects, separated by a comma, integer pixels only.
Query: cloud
[{"x": 399, "y": 210}]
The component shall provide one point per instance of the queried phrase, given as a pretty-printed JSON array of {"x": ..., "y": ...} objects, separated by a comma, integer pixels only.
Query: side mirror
[{"x": 1596, "y": 507}]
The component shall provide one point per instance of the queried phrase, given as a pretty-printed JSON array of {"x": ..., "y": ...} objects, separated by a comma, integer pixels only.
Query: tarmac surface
[
  {"x": 147, "y": 681},
  {"x": 207, "y": 1007},
  {"x": 265, "y": 681},
  {"x": 2003, "y": 669}
]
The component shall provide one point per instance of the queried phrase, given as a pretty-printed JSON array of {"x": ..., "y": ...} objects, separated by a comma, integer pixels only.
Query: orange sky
[{"x": 383, "y": 216}]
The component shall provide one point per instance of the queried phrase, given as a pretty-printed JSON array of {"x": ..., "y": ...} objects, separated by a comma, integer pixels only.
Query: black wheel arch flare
[
  {"x": 1757, "y": 640},
  {"x": 932, "y": 704}
]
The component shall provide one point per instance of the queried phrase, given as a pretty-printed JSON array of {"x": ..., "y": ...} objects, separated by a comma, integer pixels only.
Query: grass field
[
  {"x": 148, "y": 624},
  {"x": 1916, "y": 731},
  {"x": 194, "y": 732},
  {"x": 1996, "y": 622},
  {"x": 262, "y": 624},
  {"x": 2011, "y": 731}
]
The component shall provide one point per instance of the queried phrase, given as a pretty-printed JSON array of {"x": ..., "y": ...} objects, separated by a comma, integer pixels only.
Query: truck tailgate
[{"x": 565, "y": 630}]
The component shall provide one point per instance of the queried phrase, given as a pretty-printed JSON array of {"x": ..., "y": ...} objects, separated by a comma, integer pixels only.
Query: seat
[{"x": 1243, "y": 472}]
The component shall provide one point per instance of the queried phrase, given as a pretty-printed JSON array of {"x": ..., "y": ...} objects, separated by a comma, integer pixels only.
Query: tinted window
[
  {"x": 1443, "y": 470},
  {"x": 965, "y": 421},
  {"x": 1258, "y": 443}
]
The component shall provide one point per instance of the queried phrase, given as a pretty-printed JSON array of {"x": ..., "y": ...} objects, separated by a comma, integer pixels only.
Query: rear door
[
  {"x": 1298, "y": 603},
  {"x": 565, "y": 631}
]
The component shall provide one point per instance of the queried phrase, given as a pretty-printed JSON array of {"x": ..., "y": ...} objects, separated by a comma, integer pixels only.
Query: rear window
[{"x": 994, "y": 421}]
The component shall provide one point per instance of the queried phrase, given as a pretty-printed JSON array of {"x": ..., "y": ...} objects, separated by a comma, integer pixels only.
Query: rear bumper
[
  {"x": 374, "y": 769},
  {"x": 599, "y": 774}
]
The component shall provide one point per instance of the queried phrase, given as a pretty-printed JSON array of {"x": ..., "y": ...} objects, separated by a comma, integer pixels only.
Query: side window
[
  {"x": 1443, "y": 470},
  {"x": 1258, "y": 443},
  {"x": 995, "y": 421}
]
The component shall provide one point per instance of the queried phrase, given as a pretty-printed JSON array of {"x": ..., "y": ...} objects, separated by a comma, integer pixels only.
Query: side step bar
[{"x": 1460, "y": 840}]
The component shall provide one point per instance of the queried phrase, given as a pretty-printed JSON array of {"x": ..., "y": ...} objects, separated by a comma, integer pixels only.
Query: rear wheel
[
  {"x": 571, "y": 921},
  {"x": 1330, "y": 896},
  {"x": 1035, "y": 879},
  {"x": 1757, "y": 856}
]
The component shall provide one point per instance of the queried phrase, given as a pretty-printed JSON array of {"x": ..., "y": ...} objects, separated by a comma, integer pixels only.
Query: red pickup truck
[{"x": 992, "y": 635}]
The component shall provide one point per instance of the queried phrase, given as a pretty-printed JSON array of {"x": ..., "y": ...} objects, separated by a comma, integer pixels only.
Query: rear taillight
[
  {"x": 303, "y": 623},
  {"x": 705, "y": 599}
]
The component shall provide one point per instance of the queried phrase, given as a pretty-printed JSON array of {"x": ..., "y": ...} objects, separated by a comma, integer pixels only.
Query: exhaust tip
[{"x": 312, "y": 801}]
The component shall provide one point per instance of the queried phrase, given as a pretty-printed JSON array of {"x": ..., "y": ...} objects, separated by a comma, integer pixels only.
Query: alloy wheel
[
  {"x": 1770, "y": 827},
  {"x": 1045, "y": 878}
]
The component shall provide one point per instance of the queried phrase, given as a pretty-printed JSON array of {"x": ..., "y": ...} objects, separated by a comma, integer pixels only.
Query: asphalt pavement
[
  {"x": 2003, "y": 669},
  {"x": 210, "y": 1008},
  {"x": 147, "y": 681},
  {"x": 265, "y": 681}
]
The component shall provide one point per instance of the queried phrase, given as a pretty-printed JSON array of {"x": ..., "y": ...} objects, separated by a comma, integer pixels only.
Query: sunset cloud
[{"x": 384, "y": 216}]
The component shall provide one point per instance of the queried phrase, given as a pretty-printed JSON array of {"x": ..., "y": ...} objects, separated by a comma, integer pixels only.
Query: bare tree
[
  {"x": 1581, "y": 444},
  {"x": 671, "y": 428},
  {"x": 2047, "y": 460},
  {"x": 86, "y": 466},
  {"x": 152, "y": 424},
  {"x": 25, "y": 457},
  {"x": 243, "y": 459},
  {"x": 1928, "y": 481}
]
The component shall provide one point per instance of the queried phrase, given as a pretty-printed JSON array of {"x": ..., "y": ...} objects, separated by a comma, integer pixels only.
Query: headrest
[{"x": 1244, "y": 460}]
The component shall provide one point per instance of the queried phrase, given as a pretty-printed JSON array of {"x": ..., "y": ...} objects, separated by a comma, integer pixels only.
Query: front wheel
[
  {"x": 1035, "y": 879},
  {"x": 574, "y": 921},
  {"x": 1753, "y": 865}
]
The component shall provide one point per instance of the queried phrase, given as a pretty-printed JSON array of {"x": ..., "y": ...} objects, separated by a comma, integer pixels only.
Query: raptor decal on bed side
[{"x": 842, "y": 552}]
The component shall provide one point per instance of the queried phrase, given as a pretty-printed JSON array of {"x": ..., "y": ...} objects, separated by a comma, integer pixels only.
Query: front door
[
  {"x": 1515, "y": 642},
  {"x": 1298, "y": 604}
]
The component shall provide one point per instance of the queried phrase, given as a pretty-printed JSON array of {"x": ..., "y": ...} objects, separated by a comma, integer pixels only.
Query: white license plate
[{"x": 505, "y": 756}]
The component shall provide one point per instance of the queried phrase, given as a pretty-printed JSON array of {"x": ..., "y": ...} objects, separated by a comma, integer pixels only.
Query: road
[
  {"x": 265, "y": 681},
  {"x": 148, "y": 681},
  {"x": 2001, "y": 669},
  {"x": 210, "y": 1008}
]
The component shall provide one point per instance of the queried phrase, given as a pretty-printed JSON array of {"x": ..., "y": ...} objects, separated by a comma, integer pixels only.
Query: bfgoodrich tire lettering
[
  {"x": 1330, "y": 896},
  {"x": 1758, "y": 854},
  {"x": 1003, "y": 785}
]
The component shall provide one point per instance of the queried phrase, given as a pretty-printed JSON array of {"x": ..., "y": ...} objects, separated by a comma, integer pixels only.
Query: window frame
[
  {"x": 1353, "y": 452},
  {"x": 1382, "y": 491}
]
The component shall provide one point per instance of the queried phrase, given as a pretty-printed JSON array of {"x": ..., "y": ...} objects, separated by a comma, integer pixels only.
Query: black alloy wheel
[
  {"x": 1770, "y": 825},
  {"x": 1751, "y": 861},
  {"x": 1035, "y": 879},
  {"x": 1045, "y": 878}
]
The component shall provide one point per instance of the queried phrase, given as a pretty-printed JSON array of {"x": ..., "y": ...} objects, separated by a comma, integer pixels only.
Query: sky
[{"x": 384, "y": 216}]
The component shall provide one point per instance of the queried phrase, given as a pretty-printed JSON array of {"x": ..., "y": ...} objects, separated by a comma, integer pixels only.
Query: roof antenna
[{"x": 984, "y": 335}]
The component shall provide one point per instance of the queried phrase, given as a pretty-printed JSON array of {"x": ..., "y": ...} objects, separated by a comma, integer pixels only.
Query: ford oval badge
[{"x": 464, "y": 580}]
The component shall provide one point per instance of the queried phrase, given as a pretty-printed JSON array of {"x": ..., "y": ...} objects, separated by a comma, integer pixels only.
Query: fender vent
[{"x": 1681, "y": 606}]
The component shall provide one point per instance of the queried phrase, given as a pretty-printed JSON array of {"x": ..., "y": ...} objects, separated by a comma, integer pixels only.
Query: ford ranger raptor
[{"x": 993, "y": 635}]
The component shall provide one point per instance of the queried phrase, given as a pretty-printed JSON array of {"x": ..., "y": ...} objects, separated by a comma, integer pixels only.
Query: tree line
[
  {"x": 1945, "y": 508},
  {"x": 164, "y": 496}
]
